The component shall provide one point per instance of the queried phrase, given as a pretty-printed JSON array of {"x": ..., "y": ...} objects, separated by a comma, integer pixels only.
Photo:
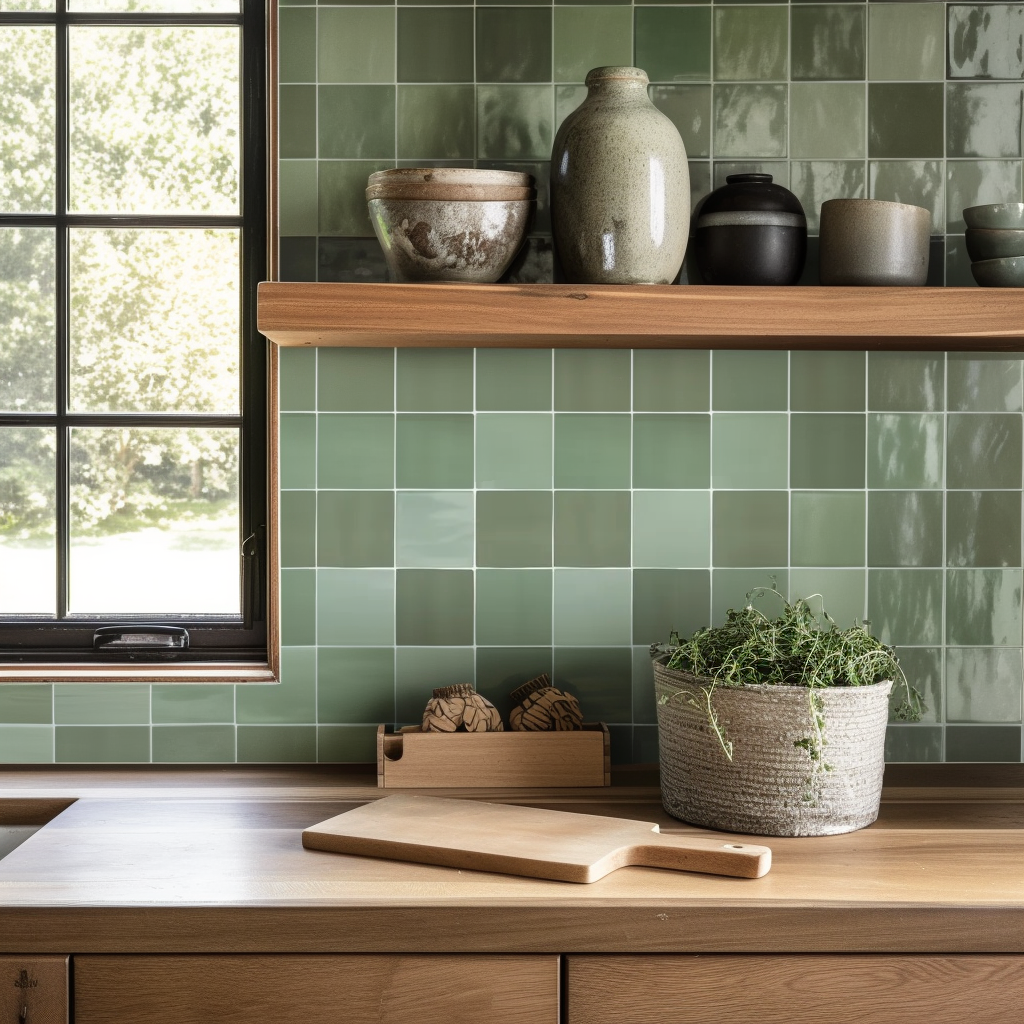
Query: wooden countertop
[{"x": 179, "y": 861}]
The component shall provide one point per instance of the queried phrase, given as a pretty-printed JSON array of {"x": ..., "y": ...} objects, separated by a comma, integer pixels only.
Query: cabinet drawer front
[
  {"x": 299, "y": 989},
  {"x": 811, "y": 989}
]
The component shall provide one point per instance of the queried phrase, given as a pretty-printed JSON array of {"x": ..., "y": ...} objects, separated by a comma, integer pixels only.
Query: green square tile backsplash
[{"x": 485, "y": 516}]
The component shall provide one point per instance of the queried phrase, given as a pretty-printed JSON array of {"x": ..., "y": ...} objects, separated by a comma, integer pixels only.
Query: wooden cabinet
[
  {"x": 300, "y": 989},
  {"x": 795, "y": 989}
]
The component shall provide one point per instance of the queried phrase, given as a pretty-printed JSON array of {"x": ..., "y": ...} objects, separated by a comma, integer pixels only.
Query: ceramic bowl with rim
[
  {"x": 872, "y": 242},
  {"x": 994, "y": 244},
  {"x": 995, "y": 215},
  {"x": 456, "y": 193},
  {"x": 1004, "y": 273},
  {"x": 451, "y": 176}
]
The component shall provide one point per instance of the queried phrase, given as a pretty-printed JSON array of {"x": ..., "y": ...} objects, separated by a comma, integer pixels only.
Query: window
[{"x": 133, "y": 424}]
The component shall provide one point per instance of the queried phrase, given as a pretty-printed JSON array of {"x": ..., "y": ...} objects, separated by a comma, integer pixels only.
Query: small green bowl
[
  {"x": 994, "y": 244},
  {"x": 995, "y": 215},
  {"x": 1004, "y": 273}
]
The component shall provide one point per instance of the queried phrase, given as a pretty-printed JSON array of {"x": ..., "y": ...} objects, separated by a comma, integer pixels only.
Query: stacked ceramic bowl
[
  {"x": 450, "y": 223},
  {"x": 995, "y": 243}
]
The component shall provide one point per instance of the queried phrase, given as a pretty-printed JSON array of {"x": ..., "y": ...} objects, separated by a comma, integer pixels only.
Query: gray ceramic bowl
[
  {"x": 1005, "y": 273},
  {"x": 993, "y": 244},
  {"x": 995, "y": 215},
  {"x": 871, "y": 242},
  {"x": 429, "y": 240}
]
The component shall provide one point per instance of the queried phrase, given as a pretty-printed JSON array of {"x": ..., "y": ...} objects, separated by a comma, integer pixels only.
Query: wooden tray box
[{"x": 413, "y": 759}]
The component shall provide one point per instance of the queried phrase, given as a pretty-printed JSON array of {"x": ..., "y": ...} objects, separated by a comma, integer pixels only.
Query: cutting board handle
[{"x": 711, "y": 856}]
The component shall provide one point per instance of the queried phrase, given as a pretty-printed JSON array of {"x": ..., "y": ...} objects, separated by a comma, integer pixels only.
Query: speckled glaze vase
[{"x": 620, "y": 186}]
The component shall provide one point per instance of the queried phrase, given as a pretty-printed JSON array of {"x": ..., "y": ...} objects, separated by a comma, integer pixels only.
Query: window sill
[{"x": 194, "y": 672}]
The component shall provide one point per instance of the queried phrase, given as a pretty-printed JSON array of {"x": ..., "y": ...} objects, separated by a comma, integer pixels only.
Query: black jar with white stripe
[{"x": 751, "y": 231}]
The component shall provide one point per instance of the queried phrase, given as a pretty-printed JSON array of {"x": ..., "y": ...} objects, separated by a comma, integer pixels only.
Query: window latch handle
[{"x": 140, "y": 637}]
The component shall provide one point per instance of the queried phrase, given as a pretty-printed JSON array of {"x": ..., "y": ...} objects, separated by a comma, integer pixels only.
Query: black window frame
[{"x": 69, "y": 639}]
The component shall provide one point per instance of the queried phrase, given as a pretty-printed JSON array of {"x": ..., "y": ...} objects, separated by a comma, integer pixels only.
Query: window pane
[
  {"x": 27, "y": 127},
  {"x": 154, "y": 320},
  {"x": 154, "y": 522},
  {"x": 155, "y": 120},
  {"x": 160, "y": 6},
  {"x": 27, "y": 340},
  {"x": 28, "y": 553}
]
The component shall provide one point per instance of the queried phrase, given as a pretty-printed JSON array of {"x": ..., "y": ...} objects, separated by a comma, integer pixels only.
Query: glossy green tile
[
  {"x": 298, "y": 606},
  {"x": 297, "y": 447},
  {"x": 297, "y": 119},
  {"x": 645, "y": 707},
  {"x": 985, "y": 743},
  {"x": 601, "y": 677},
  {"x": 591, "y": 607},
  {"x": 434, "y": 529},
  {"x": 271, "y": 744},
  {"x": 434, "y": 607},
  {"x": 905, "y": 120},
  {"x": 355, "y": 529},
  {"x": 906, "y": 381},
  {"x": 513, "y": 44},
  {"x": 778, "y": 169},
  {"x": 419, "y": 669},
  {"x": 435, "y": 44},
  {"x": 591, "y": 37},
  {"x": 355, "y": 684},
  {"x": 513, "y": 607},
  {"x": 513, "y": 379},
  {"x": 671, "y": 450},
  {"x": 917, "y": 182},
  {"x": 101, "y": 704},
  {"x": 588, "y": 380},
  {"x": 827, "y": 528},
  {"x": 297, "y": 191},
  {"x": 905, "y": 528},
  {"x": 291, "y": 700},
  {"x": 983, "y": 528},
  {"x": 355, "y": 450},
  {"x": 751, "y": 120},
  {"x": 297, "y": 379},
  {"x": 193, "y": 705},
  {"x": 567, "y": 99},
  {"x": 499, "y": 670},
  {"x": 906, "y": 42},
  {"x": 26, "y": 744},
  {"x": 749, "y": 381},
  {"x": 355, "y": 606},
  {"x": 592, "y": 528},
  {"x": 355, "y": 379},
  {"x": 645, "y": 745},
  {"x": 346, "y": 744},
  {"x": 981, "y": 38},
  {"x": 923, "y": 668},
  {"x": 434, "y": 450},
  {"x": 978, "y": 182},
  {"x": 592, "y": 450},
  {"x": 750, "y": 528},
  {"x": 671, "y": 529},
  {"x": 689, "y": 109},
  {"x": 983, "y": 685},
  {"x": 671, "y": 380},
  {"x": 98, "y": 744},
  {"x": 749, "y": 450},
  {"x": 298, "y": 528},
  {"x": 827, "y": 42},
  {"x": 667, "y": 600},
  {"x": 958, "y": 264},
  {"x": 913, "y": 743},
  {"x": 193, "y": 744},
  {"x": 341, "y": 199},
  {"x": 296, "y": 46},
  {"x": 842, "y": 590},
  {"x": 26, "y": 705},
  {"x": 905, "y": 450},
  {"x": 436, "y": 122},
  {"x": 735, "y": 588},
  {"x": 827, "y": 381},
  {"x": 514, "y": 122},
  {"x": 356, "y": 44},
  {"x": 983, "y": 607},
  {"x": 673, "y": 44},
  {"x": 297, "y": 261},
  {"x": 905, "y": 605},
  {"x": 826, "y": 450},
  {"x": 700, "y": 186},
  {"x": 434, "y": 380},
  {"x": 513, "y": 450},
  {"x": 983, "y": 450},
  {"x": 356, "y": 122},
  {"x": 827, "y": 122},
  {"x": 751, "y": 44},
  {"x": 353, "y": 260},
  {"x": 984, "y": 382},
  {"x": 513, "y": 528}
]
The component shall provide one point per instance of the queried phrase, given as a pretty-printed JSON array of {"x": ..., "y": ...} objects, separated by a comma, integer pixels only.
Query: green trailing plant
[{"x": 797, "y": 648}]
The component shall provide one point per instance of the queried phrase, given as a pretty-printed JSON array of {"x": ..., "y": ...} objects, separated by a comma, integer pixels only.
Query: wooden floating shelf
[{"x": 640, "y": 316}]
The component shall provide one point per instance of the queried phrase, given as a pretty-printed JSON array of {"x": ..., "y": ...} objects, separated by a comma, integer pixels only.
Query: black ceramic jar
[{"x": 751, "y": 231}]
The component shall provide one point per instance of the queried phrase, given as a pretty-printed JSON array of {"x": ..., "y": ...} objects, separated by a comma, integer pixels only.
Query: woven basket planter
[{"x": 772, "y": 786}]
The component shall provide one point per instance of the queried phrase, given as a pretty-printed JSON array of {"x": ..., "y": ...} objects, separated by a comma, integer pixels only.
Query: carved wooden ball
[
  {"x": 460, "y": 706},
  {"x": 543, "y": 708}
]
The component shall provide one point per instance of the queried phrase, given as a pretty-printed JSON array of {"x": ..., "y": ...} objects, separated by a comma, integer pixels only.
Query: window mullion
[{"x": 63, "y": 311}]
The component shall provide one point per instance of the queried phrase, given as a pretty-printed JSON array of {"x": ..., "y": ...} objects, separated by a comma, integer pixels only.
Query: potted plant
[{"x": 776, "y": 726}]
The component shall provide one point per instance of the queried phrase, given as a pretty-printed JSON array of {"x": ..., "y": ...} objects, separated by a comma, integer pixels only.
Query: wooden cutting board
[{"x": 524, "y": 840}]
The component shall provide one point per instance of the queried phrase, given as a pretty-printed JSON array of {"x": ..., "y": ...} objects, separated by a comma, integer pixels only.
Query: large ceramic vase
[{"x": 620, "y": 186}]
